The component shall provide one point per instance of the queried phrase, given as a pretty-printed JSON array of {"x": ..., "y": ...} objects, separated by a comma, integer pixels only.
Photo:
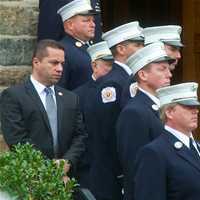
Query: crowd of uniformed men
[{"x": 122, "y": 81}]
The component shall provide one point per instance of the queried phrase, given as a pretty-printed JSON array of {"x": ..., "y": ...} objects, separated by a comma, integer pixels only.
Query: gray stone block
[
  {"x": 13, "y": 75},
  {"x": 16, "y": 50},
  {"x": 18, "y": 20}
]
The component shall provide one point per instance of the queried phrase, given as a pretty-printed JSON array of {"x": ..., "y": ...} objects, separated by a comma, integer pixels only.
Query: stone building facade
[{"x": 18, "y": 28}]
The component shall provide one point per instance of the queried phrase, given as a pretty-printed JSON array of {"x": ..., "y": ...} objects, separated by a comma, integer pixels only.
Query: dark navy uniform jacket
[
  {"x": 164, "y": 172},
  {"x": 138, "y": 124},
  {"x": 126, "y": 96},
  {"x": 99, "y": 168},
  {"x": 87, "y": 96},
  {"x": 96, "y": 5},
  {"x": 77, "y": 69},
  {"x": 50, "y": 25},
  {"x": 106, "y": 167}
]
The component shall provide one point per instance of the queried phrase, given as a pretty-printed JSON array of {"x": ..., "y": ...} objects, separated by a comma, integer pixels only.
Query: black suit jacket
[
  {"x": 24, "y": 119},
  {"x": 164, "y": 172}
]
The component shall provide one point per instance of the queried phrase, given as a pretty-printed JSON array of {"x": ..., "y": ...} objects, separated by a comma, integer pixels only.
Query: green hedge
[{"x": 25, "y": 174}]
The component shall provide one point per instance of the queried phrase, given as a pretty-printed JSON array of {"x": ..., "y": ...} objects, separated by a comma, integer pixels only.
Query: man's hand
[
  {"x": 66, "y": 166},
  {"x": 65, "y": 179}
]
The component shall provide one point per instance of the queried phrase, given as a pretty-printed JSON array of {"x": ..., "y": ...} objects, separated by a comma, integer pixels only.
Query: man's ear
[
  {"x": 68, "y": 25},
  {"x": 35, "y": 61},
  {"x": 120, "y": 49},
  {"x": 168, "y": 113},
  {"x": 94, "y": 65},
  {"x": 142, "y": 75}
]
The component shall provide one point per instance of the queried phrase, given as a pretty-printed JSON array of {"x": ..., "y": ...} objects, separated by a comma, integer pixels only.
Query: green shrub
[{"x": 25, "y": 174}]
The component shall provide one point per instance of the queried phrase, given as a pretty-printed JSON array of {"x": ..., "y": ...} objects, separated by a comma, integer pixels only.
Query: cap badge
[
  {"x": 60, "y": 93},
  {"x": 163, "y": 48},
  {"x": 194, "y": 88},
  {"x": 178, "y": 145},
  {"x": 133, "y": 88},
  {"x": 155, "y": 107},
  {"x": 108, "y": 94},
  {"x": 78, "y": 44}
]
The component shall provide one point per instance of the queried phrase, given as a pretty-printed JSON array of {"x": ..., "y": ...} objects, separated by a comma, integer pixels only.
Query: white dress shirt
[
  {"x": 125, "y": 67},
  {"x": 40, "y": 90}
]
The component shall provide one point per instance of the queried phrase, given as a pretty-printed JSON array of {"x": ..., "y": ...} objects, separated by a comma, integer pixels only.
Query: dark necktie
[
  {"x": 193, "y": 149},
  {"x": 51, "y": 110}
]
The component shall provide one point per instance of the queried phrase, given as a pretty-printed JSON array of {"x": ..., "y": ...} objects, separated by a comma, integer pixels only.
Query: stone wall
[{"x": 18, "y": 28}]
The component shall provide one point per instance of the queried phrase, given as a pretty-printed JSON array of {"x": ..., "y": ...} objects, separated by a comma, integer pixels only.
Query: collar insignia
[
  {"x": 155, "y": 107},
  {"x": 178, "y": 145},
  {"x": 78, "y": 44}
]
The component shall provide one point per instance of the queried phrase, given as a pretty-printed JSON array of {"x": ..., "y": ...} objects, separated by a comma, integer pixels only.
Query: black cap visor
[
  {"x": 189, "y": 102},
  {"x": 174, "y": 43}
]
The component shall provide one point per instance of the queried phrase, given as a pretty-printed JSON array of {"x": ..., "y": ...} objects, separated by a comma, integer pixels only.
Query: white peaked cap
[
  {"x": 184, "y": 93},
  {"x": 75, "y": 7},
  {"x": 168, "y": 34},
  {"x": 152, "y": 53},
  {"x": 129, "y": 31},
  {"x": 100, "y": 51}
]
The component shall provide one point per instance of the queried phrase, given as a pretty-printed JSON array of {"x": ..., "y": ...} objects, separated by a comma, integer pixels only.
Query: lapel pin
[
  {"x": 178, "y": 145},
  {"x": 60, "y": 93},
  {"x": 78, "y": 44},
  {"x": 155, "y": 107}
]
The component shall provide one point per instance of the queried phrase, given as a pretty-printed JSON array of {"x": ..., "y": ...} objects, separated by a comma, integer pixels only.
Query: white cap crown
[
  {"x": 152, "y": 53},
  {"x": 168, "y": 34},
  {"x": 129, "y": 31},
  {"x": 99, "y": 51},
  {"x": 74, "y": 8},
  {"x": 184, "y": 93}
]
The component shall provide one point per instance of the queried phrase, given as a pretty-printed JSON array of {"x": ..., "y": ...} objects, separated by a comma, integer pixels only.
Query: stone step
[
  {"x": 16, "y": 50},
  {"x": 18, "y": 18},
  {"x": 11, "y": 75}
]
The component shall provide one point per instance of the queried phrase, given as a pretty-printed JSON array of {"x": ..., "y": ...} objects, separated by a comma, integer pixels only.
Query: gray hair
[{"x": 163, "y": 109}]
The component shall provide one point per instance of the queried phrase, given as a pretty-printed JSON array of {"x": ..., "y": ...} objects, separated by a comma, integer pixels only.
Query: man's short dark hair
[
  {"x": 126, "y": 42},
  {"x": 41, "y": 48}
]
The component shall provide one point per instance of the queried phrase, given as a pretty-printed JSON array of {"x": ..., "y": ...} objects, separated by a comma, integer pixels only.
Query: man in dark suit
[
  {"x": 170, "y": 36},
  {"x": 50, "y": 24},
  {"x": 138, "y": 123},
  {"x": 169, "y": 167},
  {"x": 79, "y": 26},
  {"x": 43, "y": 114}
]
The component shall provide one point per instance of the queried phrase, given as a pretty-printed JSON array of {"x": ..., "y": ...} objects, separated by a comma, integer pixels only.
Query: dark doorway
[{"x": 147, "y": 12}]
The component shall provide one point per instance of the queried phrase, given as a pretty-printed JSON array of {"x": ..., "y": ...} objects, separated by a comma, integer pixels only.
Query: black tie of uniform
[
  {"x": 193, "y": 149},
  {"x": 51, "y": 110}
]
